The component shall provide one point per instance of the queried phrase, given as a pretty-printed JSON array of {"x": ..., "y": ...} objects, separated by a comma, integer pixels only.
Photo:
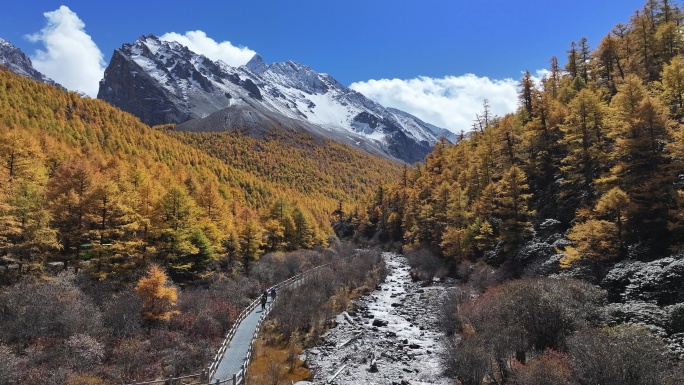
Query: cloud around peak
[
  {"x": 450, "y": 102},
  {"x": 70, "y": 57},
  {"x": 199, "y": 42}
]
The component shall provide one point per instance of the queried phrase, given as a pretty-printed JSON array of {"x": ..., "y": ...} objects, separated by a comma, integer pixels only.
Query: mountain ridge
[
  {"x": 17, "y": 61},
  {"x": 165, "y": 82}
]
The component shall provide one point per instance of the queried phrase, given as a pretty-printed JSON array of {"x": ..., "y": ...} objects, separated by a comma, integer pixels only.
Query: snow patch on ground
[{"x": 392, "y": 336}]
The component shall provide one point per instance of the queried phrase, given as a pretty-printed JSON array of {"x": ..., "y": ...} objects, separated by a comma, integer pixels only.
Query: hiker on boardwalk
[
  {"x": 273, "y": 294},
  {"x": 263, "y": 301}
]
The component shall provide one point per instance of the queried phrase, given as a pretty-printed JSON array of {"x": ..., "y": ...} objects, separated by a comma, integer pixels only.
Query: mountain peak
[
  {"x": 148, "y": 38},
  {"x": 16, "y": 61},
  {"x": 257, "y": 64},
  {"x": 165, "y": 82}
]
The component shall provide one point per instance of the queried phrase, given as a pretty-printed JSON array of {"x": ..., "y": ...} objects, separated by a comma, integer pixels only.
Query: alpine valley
[
  {"x": 247, "y": 159},
  {"x": 544, "y": 247}
]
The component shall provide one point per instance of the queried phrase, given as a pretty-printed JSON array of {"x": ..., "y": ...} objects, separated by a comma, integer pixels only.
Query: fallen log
[{"x": 337, "y": 373}]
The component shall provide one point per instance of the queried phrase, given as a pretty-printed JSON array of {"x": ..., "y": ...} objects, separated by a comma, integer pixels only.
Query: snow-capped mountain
[
  {"x": 16, "y": 61},
  {"x": 164, "y": 82},
  {"x": 409, "y": 120}
]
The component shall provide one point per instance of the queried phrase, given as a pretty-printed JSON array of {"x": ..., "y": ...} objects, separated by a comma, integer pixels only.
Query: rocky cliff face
[
  {"x": 165, "y": 82},
  {"x": 138, "y": 93},
  {"x": 17, "y": 62}
]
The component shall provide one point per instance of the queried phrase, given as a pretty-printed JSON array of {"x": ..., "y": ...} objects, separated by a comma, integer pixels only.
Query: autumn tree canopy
[
  {"x": 594, "y": 146},
  {"x": 158, "y": 296}
]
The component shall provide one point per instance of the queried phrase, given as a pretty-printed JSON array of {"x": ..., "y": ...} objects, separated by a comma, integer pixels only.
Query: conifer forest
[{"x": 127, "y": 251}]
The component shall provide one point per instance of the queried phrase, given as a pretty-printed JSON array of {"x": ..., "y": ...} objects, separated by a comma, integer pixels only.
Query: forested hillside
[
  {"x": 563, "y": 222},
  {"x": 595, "y": 149},
  {"x": 83, "y": 183},
  {"x": 311, "y": 167},
  {"x": 127, "y": 254}
]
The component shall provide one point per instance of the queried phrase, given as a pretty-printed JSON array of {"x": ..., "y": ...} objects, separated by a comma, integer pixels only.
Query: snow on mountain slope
[
  {"x": 165, "y": 82},
  {"x": 409, "y": 120},
  {"x": 16, "y": 61}
]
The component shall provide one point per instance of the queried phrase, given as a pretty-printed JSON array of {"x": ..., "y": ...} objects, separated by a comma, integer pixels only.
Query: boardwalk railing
[
  {"x": 207, "y": 376},
  {"x": 229, "y": 337},
  {"x": 199, "y": 378},
  {"x": 240, "y": 376}
]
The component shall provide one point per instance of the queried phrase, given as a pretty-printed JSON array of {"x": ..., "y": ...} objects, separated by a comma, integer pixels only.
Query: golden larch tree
[{"x": 158, "y": 296}]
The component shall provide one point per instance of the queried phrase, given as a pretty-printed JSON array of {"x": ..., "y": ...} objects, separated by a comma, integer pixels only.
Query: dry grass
[{"x": 277, "y": 365}]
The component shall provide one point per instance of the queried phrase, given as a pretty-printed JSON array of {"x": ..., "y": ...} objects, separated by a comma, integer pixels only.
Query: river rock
[
  {"x": 380, "y": 323},
  {"x": 399, "y": 326}
]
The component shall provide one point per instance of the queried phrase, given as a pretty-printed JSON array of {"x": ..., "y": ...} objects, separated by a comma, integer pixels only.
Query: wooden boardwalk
[{"x": 235, "y": 356}]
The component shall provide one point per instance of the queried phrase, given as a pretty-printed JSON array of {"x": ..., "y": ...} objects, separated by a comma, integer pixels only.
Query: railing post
[{"x": 234, "y": 378}]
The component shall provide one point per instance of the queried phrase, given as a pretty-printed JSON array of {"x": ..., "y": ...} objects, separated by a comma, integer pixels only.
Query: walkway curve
[
  {"x": 235, "y": 353},
  {"x": 234, "y": 360},
  {"x": 231, "y": 362}
]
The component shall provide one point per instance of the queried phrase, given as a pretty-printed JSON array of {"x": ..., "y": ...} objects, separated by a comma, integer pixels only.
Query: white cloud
[
  {"x": 71, "y": 58},
  {"x": 450, "y": 102},
  {"x": 199, "y": 42}
]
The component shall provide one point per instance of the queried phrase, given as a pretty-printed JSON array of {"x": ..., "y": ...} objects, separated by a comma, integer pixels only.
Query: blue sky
[{"x": 437, "y": 59}]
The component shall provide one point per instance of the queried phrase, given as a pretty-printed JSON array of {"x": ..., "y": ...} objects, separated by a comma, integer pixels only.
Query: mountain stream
[{"x": 392, "y": 336}]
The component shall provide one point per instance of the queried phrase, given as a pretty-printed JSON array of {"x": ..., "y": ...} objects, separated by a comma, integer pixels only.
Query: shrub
[
  {"x": 122, "y": 315},
  {"x": 657, "y": 281},
  {"x": 623, "y": 355},
  {"x": 52, "y": 308},
  {"x": 676, "y": 318},
  {"x": 642, "y": 313},
  {"x": 467, "y": 360},
  {"x": 9, "y": 366},
  {"x": 85, "y": 352},
  {"x": 424, "y": 264},
  {"x": 551, "y": 368},
  {"x": 528, "y": 315}
]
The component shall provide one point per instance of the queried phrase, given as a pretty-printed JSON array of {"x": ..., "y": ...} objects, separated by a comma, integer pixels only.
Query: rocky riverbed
[{"x": 391, "y": 337}]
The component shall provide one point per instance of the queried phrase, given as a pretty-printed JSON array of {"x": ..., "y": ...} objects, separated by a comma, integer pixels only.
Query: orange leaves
[
  {"x": 157, "y": 295},
  {"x": 551, "y": 368}
]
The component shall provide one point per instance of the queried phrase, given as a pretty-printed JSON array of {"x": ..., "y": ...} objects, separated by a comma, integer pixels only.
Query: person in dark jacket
[{"x": 263, "y": 301}]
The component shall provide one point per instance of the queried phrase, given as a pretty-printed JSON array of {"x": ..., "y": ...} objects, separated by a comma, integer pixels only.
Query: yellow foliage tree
[
  {"x": 615, "y": 206},
  {"x": 591, "y": 240},
  {"x": 453, "y": 243},
  {"x": 158, "y": 296},
  {"x": 600, "y": 238}
]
